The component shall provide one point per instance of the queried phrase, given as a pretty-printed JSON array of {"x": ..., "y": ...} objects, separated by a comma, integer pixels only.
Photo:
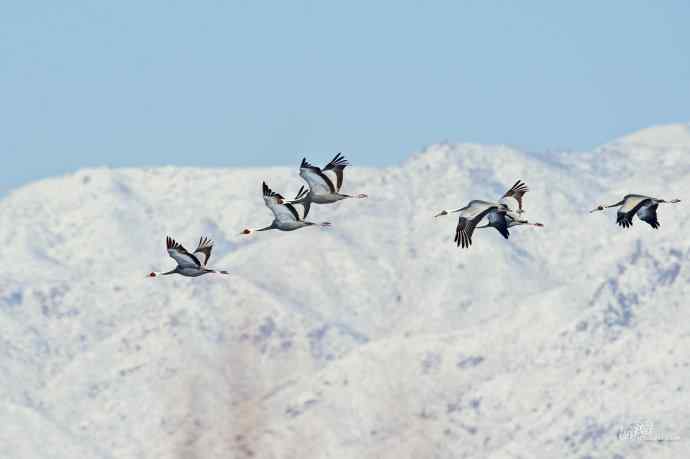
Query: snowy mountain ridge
[{"x": 374, "y": 338}]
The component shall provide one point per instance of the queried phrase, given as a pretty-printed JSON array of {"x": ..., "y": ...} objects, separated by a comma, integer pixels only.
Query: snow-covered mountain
[{"x": 376, "y": 338}]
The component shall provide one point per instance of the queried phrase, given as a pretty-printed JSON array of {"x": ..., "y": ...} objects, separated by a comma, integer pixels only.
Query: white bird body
[
  {"x": 189, "y": 264},
  {"x": 288, "y": 216},
  {"x": 325, "y": 183},
  {"x": 636, "y": 204}
]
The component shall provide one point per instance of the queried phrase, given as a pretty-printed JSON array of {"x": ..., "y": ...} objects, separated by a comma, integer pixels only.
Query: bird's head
[
  {"x": 596, "y": 209},
  {"x": 246, "y": 231},
  {"x": 442, "y": 213},
  {"x": 540, "y": 225},
  {"x": 280, "y": 201},
  {"x": 152, "y": 274}
]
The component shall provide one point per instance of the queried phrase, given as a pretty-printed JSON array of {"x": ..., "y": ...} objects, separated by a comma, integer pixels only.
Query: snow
[
  {"x": 374, "y": 338},
  {"x": 664, "y": 135}
]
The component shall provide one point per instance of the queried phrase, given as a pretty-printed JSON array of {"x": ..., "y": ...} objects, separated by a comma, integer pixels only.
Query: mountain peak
[{"x": 665, "y": 135}]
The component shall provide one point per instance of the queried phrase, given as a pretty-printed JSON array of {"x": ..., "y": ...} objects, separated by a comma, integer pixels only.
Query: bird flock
[{"x": 324, "y": 185}]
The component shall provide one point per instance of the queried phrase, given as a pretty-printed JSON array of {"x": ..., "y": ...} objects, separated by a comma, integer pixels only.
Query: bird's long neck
[
  {"x": 249, "y": 231},
  {"x": 446, "y": 212},
  {"x": 619, "y": 203},
  {"x": 170, "y": 272}
]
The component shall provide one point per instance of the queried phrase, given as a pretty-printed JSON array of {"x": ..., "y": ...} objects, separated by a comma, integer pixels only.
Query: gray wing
[
  {"x": 302, "y": 202},
  {"x": 648, "y": 214},
  {"x": 630, "y": 206},
  {"x": 282, "y": 211},
  {"x": 316, "y": 179},
  {"x": 178, "y": 253},
  {"x": 516, "y": 192},
  {"x": 468, "y": 220},
  {"x": 203, "y": 250},
  {"x": 498, "y": 221},
  {"x": 336, "y": 167}
]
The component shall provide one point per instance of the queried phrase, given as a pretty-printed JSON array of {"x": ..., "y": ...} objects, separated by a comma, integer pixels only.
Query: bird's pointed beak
[{"x": 596, "y": 209}]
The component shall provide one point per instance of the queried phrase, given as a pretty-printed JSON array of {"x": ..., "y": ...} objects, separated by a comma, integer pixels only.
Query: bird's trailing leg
[
  {"x": 322, "y": 224},
  {"x": 358, "y": 196}
]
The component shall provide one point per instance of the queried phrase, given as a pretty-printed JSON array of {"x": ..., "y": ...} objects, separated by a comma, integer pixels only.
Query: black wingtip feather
[
  {"x": 270, "y": 193},
  {"x": 462, "y": 240},
  {"x": 307, "y": 165},
  {"x": 338, "y": 162},
  {"x": 301, "y": 193},
  {"x": 518, "y": 187},
  {"x": 171, "y": 243}
]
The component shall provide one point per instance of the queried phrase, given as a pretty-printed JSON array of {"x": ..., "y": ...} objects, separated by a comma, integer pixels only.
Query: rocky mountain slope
[{"x": 375, "y": 338}]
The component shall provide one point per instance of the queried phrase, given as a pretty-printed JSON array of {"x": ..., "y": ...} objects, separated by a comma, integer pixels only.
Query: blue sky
[{"x": 227, "y": 83}]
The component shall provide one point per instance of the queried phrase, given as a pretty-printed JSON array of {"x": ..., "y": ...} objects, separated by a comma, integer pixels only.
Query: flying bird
[
  {"x": 470, "y": 216},
  {"x": 189, "y": 264},
  {"x": 512, "y": 217},
  {"x": 500, "y": 215},
  {"x": 289, "y": 215},
  {"x": 644, "y": 206},
  {"x": 324, "y": 184}
]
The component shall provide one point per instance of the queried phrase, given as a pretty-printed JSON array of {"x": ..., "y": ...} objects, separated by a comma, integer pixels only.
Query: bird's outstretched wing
[
  {"x": 315, "y": 178},
  {"x": 203, "y": 250},
  {"x": 470, "y": 216},
  {"x": 631, "y": 204},
  {"x": 302, "y": 202},
  {"x": 463, "y": 233},
  {"x": 282, "y": 210},
  {"x": 516, "y": 192},
  {"x": 334, "y": 170},
  {"x": 498, "y": 221},
  {"x": 648, "y": 214},
  {"x": 181, "y": 255}
]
